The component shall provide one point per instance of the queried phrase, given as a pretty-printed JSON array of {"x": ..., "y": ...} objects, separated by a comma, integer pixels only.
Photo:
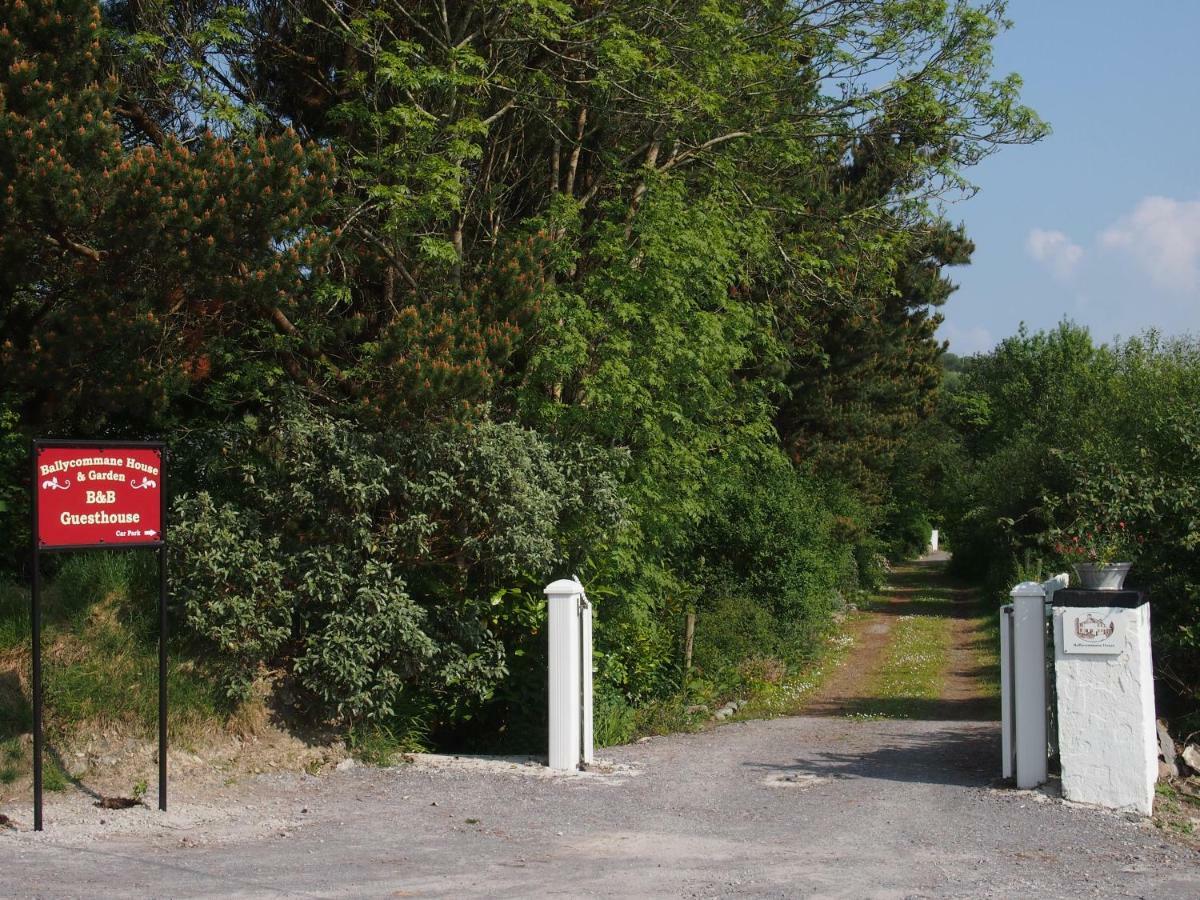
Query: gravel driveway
[{"x": 806, "y": 806}]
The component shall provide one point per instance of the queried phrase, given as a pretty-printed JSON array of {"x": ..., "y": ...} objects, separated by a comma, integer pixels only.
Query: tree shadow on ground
[
  {"x": 974, "y": 709},
  {"x": 925, "y": 605},
  {"x": 74, "y": 780},
  {"x": 16, "y": 715},
  {"x": 929, "y": 577},
  {"x": 985, "y": 647},
  {"x": 922, "y": 587},
  {"x": 949, "y": 756},
  {"x": 16, "y": 721}
]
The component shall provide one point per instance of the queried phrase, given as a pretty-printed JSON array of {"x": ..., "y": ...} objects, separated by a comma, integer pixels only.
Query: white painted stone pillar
[
  {"x": 933, "y": 540},
  {"x": 570, "y": 640},
  {"x": 1028, "y": 683},
  {"x": 1105, "y": 682}
]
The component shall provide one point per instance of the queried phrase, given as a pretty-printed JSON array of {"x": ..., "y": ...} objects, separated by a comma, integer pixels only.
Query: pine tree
[
  {"x": 876, "y": 371},
  {"x": 135, "y": 273}
]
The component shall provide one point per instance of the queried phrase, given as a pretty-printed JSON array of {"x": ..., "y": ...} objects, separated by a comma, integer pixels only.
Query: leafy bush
[
  {"x": 909, "y": 531},
  {"x": 368, "y": 563},
  {"x": 1008, "y": 412},
  {"x": 1141, "y": 470},
  {"x": 1065, "y": 432},
  {"x": 233, "y": 590},
  {"x": 774, "y": 565},
  {"x": 730, "y": 630}
]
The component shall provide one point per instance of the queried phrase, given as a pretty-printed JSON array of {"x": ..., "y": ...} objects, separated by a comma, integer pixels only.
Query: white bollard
[
  {"x": 1104, "y": 676},
  {"x": 570, "y": 637},
  {"x": 1028, "y": 683},
  {"x": 933, "y": 540}
]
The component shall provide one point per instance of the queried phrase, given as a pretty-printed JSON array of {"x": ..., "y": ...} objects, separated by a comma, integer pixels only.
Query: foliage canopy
[{"x": 437, "y": 299}]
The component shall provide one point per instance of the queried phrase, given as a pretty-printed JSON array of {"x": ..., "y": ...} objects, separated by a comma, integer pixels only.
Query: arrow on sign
[{"x": 150, "y": 532}]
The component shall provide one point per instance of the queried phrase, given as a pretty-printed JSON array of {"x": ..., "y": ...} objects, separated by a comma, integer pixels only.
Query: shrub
[
  {"x": 1066, "y": 434},
  {"x": 908, "y": 532},
  {"x": 729, "y": 631},
  {"x": 235, "y": 590},
  {"x": 1153, "y": 483},
  {"x": 776, "y": 560},
  {"x": 368, "y": 563}
]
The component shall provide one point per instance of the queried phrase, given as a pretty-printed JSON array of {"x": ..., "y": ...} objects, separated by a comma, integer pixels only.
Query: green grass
[
  {"x": 106, "y": 622},
  {"x": 12, "y": 760},
  {"x": 100, "y": 655},
  {"x": 14, "y": 616},
  {"x": 666, "y": 716},
  {"x": 789, "y": 696},
  {"x": 987, "y": 652},
  {"x": 911, "y": 676},
  {"x": 769, "y": 688},
  {"x": 53, "y": 778},
  {"x": 379, "y": 745},
  {"x": 15, "y": 762},
  {"x": 1174, "y": 811},
  {"x": 613, "y": 719}
]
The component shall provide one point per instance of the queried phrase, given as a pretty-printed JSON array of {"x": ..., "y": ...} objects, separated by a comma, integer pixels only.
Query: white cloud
[
  {"x": 965, "y": 341},
  {"x": 1163, "y": 235},
  {"x": 1056, "y": 250}
]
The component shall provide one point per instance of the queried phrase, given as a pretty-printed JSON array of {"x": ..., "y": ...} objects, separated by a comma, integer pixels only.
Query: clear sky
[{"x": 1099, "y": 222}]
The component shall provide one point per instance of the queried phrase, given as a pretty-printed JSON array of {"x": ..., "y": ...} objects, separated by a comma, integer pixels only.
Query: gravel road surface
[{"x": 793, "y": 807}]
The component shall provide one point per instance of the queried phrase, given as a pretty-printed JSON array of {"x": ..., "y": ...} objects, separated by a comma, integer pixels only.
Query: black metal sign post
[
  {"x": 35, "y": 596},
  {"x": 162, "y": 649},
  {"x": 127, "y": 510}
]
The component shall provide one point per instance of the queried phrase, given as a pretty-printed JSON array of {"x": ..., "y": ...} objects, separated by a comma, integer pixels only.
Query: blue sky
[{"x": 1099, "y": 222}]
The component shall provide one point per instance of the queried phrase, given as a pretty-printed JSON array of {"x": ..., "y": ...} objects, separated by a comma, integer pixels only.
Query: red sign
[{"x": 98, "y": 496}]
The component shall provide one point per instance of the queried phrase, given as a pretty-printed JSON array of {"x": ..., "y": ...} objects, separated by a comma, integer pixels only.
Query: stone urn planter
[{"x": 1102, "y": 578}]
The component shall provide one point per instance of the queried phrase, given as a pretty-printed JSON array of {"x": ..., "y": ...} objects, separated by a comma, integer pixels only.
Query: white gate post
[
  {"x": 1029, "y": 682},
  {"x": 585, "y": 673},
  {"x": 570, "y": 637},
  {"x": 1105, "y": 679},
  {"x": 1007, "y": 709}
]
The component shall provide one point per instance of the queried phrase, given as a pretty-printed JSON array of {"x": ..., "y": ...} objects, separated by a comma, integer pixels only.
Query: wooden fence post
[{"x": 688, "y": 636}]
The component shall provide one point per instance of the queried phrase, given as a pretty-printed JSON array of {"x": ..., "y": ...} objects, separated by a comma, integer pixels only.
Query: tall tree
[{"x": 873, "y": 371}]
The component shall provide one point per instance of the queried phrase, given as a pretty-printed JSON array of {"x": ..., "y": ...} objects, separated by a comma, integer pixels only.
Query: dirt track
[{"x": 964, "y": 695}]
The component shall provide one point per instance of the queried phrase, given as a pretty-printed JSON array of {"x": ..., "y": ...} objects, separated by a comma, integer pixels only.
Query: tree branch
[{"x": 63, "y": 242}]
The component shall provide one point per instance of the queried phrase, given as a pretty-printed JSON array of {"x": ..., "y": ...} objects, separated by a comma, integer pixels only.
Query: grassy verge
[
  {"x": 1177, "y": 812},
  {"x": 789, "y": 695},
  {"x": 100, "y": 655},
  {"x": 986, "y": 648},
  {"x": 100, "y": 662},
  {"x": 765, "y": 686}
]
